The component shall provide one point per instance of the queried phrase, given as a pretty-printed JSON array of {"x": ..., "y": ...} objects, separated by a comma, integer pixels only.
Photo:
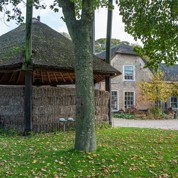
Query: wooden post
[
  {"x": 28, "y": 67},
  {"x": 108, "y": 58}
]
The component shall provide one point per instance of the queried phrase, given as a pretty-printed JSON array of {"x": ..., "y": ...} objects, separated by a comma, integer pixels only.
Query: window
[
  {"x": 174, "y": 102},
  {"x": 114, "y": 100},
  {"x": 129, "y": 99},
  {"x": 129, "y": 73},
  {"x": 158, "y": 103}
]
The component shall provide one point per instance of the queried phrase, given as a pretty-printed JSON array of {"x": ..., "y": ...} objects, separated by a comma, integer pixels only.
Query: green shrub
[
  {"x": 155, "y": 111},
  {"x": 123, "y": 116}
]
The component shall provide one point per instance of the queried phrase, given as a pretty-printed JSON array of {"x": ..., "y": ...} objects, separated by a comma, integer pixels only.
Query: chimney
[{"x": 38, "y": 18}]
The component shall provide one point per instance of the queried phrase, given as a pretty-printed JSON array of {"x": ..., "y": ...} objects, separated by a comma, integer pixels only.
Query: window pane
[
  {"x": 128, "y": 72},
  {"x": 129, "y": 99},
  {"x": 128, "y": 67},
  {"x": 114, "y": 100},
  {"x": 174, "y": 102}
]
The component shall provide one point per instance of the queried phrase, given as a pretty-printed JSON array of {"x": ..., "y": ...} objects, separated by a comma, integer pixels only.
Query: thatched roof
[
  {"x": 170, "y": 72},
  {"x": 118, "y": 49},
  {"x": 53, "y": 57}
]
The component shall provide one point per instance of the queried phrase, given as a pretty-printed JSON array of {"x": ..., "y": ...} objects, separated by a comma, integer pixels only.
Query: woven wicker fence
[{"x": 49, "y": 104}]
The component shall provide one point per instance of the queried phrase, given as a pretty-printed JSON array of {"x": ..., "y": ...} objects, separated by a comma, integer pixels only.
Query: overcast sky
[{"x": 54, "y": 21}]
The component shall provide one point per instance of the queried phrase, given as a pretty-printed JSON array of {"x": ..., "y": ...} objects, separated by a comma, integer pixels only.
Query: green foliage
[
  {"x": 122, "y": 152},
  {"x": 12, "y": 10},
  {"x": 100, "y": 44},
  {"x": 124, "y": 116},
  {"x": 12, "y": 14},
  {"x": 156, "y": 111},
  {"x": 155, "y": 23}
]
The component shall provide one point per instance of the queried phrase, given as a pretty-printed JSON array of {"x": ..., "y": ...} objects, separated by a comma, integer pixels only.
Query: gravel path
[{"x": 158, "y": 124}]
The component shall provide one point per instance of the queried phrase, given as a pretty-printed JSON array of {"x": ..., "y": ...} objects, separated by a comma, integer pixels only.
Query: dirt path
[{"x": 158, "y": 124}]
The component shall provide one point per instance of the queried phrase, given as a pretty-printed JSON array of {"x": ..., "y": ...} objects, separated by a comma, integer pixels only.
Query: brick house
[{"x": 125, "y": 91}]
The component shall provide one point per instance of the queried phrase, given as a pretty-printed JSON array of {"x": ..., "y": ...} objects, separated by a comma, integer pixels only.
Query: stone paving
[{"x": 157, "y": 124}]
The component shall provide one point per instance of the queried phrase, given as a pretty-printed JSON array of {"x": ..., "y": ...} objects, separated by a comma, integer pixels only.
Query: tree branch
[
  {"x": 68, "y": 9},
  {"x": 87, "y": 9}
]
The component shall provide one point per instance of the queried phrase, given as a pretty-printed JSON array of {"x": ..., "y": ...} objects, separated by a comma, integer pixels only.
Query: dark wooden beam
[
  {"x": 18, "y": 78},
  {"x": 62, "y": 77},
  {"x": 1, "y": 78},
  {"x": 11, "y": 76},
  {"x": 70, "y": 78},
  {"x": 55, "y": 77},
  {"x": 28, "y": 67},
  {"x": 48, "y": 77},
  {"x": 42, "y": 77}
]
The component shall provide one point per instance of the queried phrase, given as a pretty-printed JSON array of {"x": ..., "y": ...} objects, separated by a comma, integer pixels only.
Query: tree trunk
[
  {"x": 81, "y": 34},
  {"x": 85, "y": 106}
]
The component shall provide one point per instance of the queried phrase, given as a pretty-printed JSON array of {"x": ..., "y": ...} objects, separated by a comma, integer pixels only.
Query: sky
[{"x": 54, "y": 20}]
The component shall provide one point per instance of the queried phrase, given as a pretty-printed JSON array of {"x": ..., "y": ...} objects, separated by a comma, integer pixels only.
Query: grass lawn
[{"x": 122, "y": 152}]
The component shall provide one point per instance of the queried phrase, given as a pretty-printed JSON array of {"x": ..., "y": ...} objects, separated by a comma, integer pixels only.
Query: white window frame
[
  {"x": 115, "y": 110},
  {"x": 171, "y": 102},
  {"x": 124, "y": 98},
  {"x": 124, "y": 73}
]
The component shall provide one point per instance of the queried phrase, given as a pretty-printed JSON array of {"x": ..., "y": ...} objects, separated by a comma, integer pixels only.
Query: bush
[
  {"x": 123, "y": 116},
  {"x": 132, "y": 110},
  {"x": 155, "y": 111}
]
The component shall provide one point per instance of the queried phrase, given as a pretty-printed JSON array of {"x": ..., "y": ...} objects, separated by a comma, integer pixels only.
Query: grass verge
[{"x": 121, "y": 152}]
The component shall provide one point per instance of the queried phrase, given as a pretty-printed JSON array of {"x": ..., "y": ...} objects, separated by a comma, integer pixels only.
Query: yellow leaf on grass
[
  {"x": 152, "y": 166},
  {"x": 35, "y": 161}
]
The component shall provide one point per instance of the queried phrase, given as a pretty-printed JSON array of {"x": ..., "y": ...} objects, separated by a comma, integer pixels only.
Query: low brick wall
[{"x": 49, "y": 104}]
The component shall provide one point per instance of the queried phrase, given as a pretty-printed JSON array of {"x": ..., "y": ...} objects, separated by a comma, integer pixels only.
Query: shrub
[
  {"x": 123, "y": 115},
  {"x": 155, "y": 111}
]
